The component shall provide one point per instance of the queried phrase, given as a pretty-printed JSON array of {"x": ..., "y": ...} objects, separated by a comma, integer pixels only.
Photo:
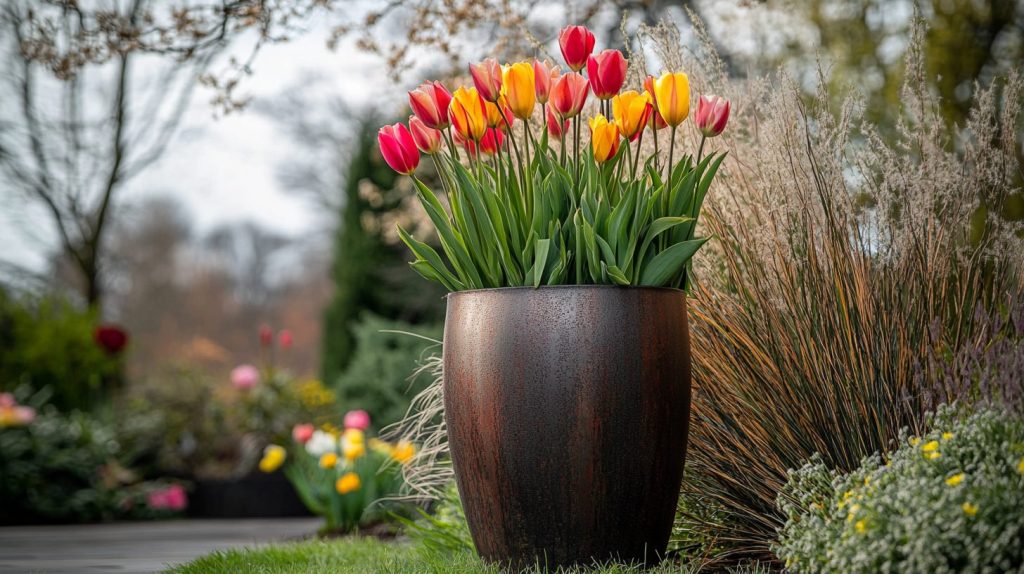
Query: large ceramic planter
[{"x": 567, "y": 411}]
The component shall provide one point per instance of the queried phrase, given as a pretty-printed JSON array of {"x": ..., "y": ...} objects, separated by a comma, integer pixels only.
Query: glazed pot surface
[{"x": 567, "y": 411}]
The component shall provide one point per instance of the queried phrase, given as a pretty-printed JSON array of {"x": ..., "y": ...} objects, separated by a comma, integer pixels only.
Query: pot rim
[{"x": 569, "y": 287}]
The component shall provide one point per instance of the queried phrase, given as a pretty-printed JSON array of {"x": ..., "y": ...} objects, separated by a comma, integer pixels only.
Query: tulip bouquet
[
  {"x": 526, "y": 206},
  {"x": 341, "y": 474}
]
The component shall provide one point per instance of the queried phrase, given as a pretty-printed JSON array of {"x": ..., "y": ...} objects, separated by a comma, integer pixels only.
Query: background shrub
[
  {"x": 948, "y": 501},
  {"x": 47, "y": 342},
  {"x": 378, "y": 379}
]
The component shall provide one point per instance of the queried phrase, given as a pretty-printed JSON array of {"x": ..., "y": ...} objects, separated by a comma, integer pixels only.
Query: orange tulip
[
  {"x": 519, "y": 89},
  {"x": 631, "y": 111},
  {"x": 656, "y": 121},
  {"x": 672, "y": 96},
  {"x": 568, "y": 95},
  {"x": 487, "y": 79},
  {"x": 604, "y": 138},
  {"x": 468, "y": 113}
]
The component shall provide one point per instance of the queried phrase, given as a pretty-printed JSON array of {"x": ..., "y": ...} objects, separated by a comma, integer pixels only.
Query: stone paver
[{"x": 136, "y": 546}]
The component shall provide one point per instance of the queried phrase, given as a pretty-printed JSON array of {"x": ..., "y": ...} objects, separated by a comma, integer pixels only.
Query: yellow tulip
[
  {"x": 273, "y": 458},
  {"x": 631, "y": 110},
  {"x": 349, "y": 482},
  {"x": 353, "y": 450},
  {"x": 519, "y": 90},
  {"x": 604, "y": 138},
  {"x": 403, "y": 451},
  {"x": 468, "y": 114},
  {"x": 672, "y": 95},
  {"x": 354, "y": 436},
  {"x": 328, "y": 460}
]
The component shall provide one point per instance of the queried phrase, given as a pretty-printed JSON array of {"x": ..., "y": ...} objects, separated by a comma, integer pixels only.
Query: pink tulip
[
  {"x": 428, "y": 140},
  {"x": 302, "y": 433},
  {"x": 712, "y": 115},
  {"x": 607, "y": 72},
  {"x": 569, "y": 94},
  {"x": 543, "y": 75},
  {"x": 576, "y": 42},
  {"x": 245, "y": 377},
  {"x": 487, "y": 79},
  {"x": 398, "y": 148},
  {"x": 358, "y": 419},
  {"x": 430, "y": 104}
]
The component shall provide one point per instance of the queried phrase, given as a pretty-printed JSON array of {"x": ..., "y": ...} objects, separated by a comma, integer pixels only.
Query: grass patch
[{"x": 371, "y": 556}]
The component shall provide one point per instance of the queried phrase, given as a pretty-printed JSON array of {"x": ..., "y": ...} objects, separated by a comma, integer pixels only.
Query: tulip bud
[
  {"x": 543, "y": 75},
  {"x": 398, "y": 148},
  {"x": 569, "y": 94},
  {"x": 556, "y": 129},
  {"x": 428, "y": 140},
  {"x": 604, "y": 138},
  {"x": 672, "y": 96},
  {"x": 468, "y": 113},
  {"x": 607, "y": 72},
  {"x": 519, "y": 89},
  {"x": 487, "y": 79},
  {"x": 631, "y": 111},
  {"x": 430, "y": 104},
  {"x": 712, "y": 115},
  {"x": 576, "y": 43}
]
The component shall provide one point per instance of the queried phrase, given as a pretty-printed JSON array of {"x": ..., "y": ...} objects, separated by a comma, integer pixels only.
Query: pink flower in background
[
  {"x": 12, "y": 414},
  {"x": 302, "y": 433},
  {"x": 7, "y": 400},
  {"x": 266, "y": 335},
  {"x": 171, "y": 498},
  {"x": 24, "y": 415},
  {"x": 245, "y": 377},
  {"x": 285, "y": 339},
  {"x": 359, "y": 419},
  {"x": 111, "y": 338}
]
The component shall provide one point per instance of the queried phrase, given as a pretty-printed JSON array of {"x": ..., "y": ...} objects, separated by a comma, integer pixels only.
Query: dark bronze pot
[{"x": 567, "y": 411}]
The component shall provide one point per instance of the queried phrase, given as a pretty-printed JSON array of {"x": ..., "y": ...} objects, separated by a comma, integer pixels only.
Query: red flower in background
[
  {"x": 266, "y": 335},
  {"x": 285, "y": 339},
  {"x": 111, "y": 338}
]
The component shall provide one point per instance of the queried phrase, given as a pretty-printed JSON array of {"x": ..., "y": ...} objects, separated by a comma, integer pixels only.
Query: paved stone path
[{"x": 135, "y": 546}]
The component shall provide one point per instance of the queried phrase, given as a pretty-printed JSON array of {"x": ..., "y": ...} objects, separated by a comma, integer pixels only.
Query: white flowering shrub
[{"x": 949, "y": 501}]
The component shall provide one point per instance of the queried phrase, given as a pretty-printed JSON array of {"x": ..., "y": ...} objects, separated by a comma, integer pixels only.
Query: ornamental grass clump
[
  {"x": 529, "y": 203},
  {"x": 951, "y": 500}
]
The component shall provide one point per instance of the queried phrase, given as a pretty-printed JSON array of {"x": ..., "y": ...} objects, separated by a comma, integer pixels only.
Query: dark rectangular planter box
[{"x": 257, "y": 495}]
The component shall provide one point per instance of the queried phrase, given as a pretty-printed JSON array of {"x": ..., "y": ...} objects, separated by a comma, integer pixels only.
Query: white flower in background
[{"x": 321, "y": 443}]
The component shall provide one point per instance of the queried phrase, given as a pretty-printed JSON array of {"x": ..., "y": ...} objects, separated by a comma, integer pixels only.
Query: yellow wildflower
[
  {"x": 273, "y": 458},
  {"x": 955, "y": 479},
  {"x": 328, "y": 460},
  {"x": 867, "y": 480},
  {"x": 381, "y": 446},
  {"x": 861, "y": 525},
  {"x": 349, "y": 482},
  {"x": 947, "y": 435},
  {"x": 932, "y": 455},
  {"x": 914, "y": 441},
  {"x": 930, "y": 446},
  {"x": 853, "y": 511},
  {"x": 970, "y": 509},
  {"x": 1020, "y": 466},
  {"x": 403, "y": 451}
]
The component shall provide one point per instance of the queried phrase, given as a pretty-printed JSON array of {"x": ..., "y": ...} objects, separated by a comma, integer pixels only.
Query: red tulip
[
  {"x": 430, "y": 104},
  {"x": 568, "y": 95},
  {"x": 266, "y": 335},
  {"x": 576, "y": 43},
  {"x": 427, "y": 139},
  {"x": 556, "y": 129},
  {"x": 487, "y": 78},
  {"x": 111, "y": 338},
  {"x": 398, "y": 148},
  {"x": 285, "y": 339},
  {"x": 492, "y": 141},
  {"x": 712, "y": 115},
  {"x": 607, "y": 72},
  {"x": 543, "y": 74}
]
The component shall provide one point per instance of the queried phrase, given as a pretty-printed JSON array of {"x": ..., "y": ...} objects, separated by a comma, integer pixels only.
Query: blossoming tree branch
[{"x": 526, "y": 206}]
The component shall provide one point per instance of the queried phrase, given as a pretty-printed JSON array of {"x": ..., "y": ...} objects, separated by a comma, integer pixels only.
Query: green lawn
[{"x": 366, "y": 556}]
